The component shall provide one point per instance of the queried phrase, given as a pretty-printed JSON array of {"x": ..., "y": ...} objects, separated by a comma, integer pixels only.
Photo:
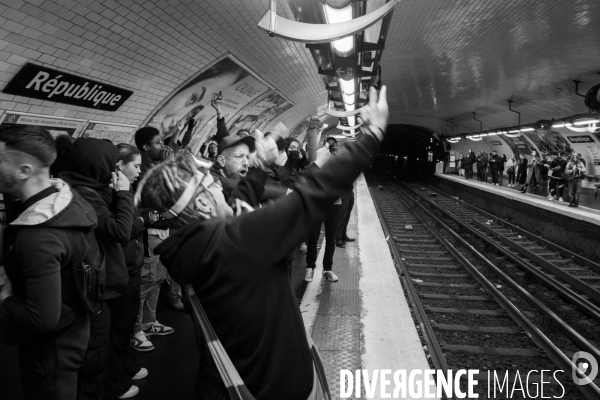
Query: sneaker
[
  {"x": 140, "y": 342},
  {"x": 550, "y": 198},
  {"x": 497, "y": 184},
  {"x": 560, "y": 199},
  {"x": 176, "y": 303},
  {"x": 330, "y": 276},
  {"x": 158, "y": 329},
  {"x": 142, "y": 373},
  {"x": 303, "y": 248},
  {"x": 309, "y": 275},
  {"x": 133, "y": 391}
]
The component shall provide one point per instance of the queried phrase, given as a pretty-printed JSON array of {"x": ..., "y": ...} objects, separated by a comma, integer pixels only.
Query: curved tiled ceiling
[
  {"x": 449, "y": 58},
  {"x": 442, "y": 59}
]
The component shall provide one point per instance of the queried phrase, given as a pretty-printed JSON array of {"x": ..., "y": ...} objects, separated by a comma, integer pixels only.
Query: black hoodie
[
  {"x": 237, "y": 268},
  {"x": 91, "y": 163},
  {"x": 41, "y": 248}
]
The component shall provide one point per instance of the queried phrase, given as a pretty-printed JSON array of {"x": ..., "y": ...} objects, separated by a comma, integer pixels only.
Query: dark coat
[
  {"x": 522, "y": 171},
  {"x": 469, "y": 160},
  {"x": 237, "y": 268},
  {"x": 41, "y": 248},
  {"x": 94, "y": 160},
  {"x": 496, "y": 162}
]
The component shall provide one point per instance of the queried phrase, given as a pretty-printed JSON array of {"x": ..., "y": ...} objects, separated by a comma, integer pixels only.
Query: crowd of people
[
  {"x": 88, "y": 246},
  {"x": 530, "y": 170}
]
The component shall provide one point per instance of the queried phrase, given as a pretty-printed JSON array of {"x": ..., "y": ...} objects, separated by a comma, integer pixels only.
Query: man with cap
[{"x": 233, "y": 161}]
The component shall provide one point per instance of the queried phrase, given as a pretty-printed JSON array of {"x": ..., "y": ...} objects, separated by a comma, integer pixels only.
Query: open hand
[
  {"x": 376, "y": 113},
  {"x": 266, "y": 149}
]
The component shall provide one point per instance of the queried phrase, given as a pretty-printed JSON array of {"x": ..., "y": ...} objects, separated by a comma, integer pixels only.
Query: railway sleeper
[
  {"x": 449, "y": 276},
  {"x": 452, "y": 285},
  {"x": 466, "y": 311},
  {"x": 455, "y": 297},
  {"x": 497, "y": 351},
  {"x": 499, "y": 330}
]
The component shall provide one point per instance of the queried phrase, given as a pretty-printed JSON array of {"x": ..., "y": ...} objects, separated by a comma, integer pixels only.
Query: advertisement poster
[
  {"x": 238, "y": 88},
  {"x": 56, "y": 126},
  {"x": 519, "y": 145},
  {"x": 548, "y": 142},
  {"x": 299, "y": 131},
  {"x": 260, "y": 112},
  {"x": 114, "y": 132}
]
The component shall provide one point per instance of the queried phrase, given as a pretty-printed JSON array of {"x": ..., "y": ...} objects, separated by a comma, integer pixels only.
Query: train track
[{"x": 472, "y": 314}]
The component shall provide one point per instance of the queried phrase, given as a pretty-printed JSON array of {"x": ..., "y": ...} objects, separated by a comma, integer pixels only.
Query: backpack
[{"x": 89, "y": 278}]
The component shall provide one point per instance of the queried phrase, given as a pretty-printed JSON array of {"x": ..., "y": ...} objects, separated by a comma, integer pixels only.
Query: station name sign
[
  {"x": 60, "y": 87},
  {"x": 580, "y": 139}
]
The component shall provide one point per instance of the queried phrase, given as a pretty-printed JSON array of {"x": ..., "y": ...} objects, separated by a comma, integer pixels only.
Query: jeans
[
  {"x": 49, "y": 365},
  {"x": 574, "y": 190},
  {"x": 90, "y": 377},
  {"x": 511, "y": 179},
  {"x": 152, "y": 276},
  {"x": 469, "y": 171},
  {"x": 344, "y": 215},
  {"x": 495, "y": 178},
  {"x": 330, "y": 231}
]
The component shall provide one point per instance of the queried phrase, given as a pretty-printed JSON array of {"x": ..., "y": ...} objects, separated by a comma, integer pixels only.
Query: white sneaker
[
  {"x": 142, "y": 373},
  {"x": 330, "y": 276},
  {"x": 309, "y": 275},
  {"x": 303, "y": 248},
  {"x": 158, "y": 329},
  {"x": 133, "y": 391},
  {"x": 497, "y": 184},
  {"x": 140, "y": 342},
  {"x": 560, "y": 199},
  {"x": 550, "y": 198}
]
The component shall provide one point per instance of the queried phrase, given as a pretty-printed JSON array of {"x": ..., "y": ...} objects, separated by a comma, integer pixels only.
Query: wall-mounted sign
[
  {"x": 496, "y": 142},
  {"x": 60, "y": 87},
  {"x": 55, "y": 125},
  {"x": 116, "y": 133},
  {"x": 580, "y": 139}
]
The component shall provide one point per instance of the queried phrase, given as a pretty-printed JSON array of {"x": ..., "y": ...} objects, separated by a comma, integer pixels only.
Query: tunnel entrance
[{"x": 410, "y": 152}]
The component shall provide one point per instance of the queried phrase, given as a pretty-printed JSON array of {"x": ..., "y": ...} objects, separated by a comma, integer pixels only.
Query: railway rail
[{"x": 471, "y": 313}]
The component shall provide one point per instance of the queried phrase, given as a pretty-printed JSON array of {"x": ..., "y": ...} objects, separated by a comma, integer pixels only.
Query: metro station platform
[
  {"x": 577, "y": 228},
  {"x": 362, "y": 321}
]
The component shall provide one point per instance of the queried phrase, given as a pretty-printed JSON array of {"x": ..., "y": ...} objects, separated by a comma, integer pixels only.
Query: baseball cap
[{"x": 230, "y": 141}]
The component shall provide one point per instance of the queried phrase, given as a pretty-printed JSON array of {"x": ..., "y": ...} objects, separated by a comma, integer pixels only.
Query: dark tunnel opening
[{"x": 410, "y": 152}]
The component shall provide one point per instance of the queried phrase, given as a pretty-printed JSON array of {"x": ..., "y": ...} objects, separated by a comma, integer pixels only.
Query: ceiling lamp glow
[
  {"x": 560, "y": 125},
  {"x": 512, "y": 134},
  {"x": 589, "y": 121},
  {"x": 578, "y": 129},
  {"x": 343, "y": 46},
  {"x": 527, "y": 129}
]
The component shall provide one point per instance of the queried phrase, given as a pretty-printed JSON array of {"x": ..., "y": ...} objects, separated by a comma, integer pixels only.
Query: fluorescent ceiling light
[
  {"x": 589, "y": 121},
  {"x": 347, "y": 86},
  {"x": 492, "y": 133},
  {"x": 561, "y": 125},
  {"x": 333, "y": 16},
  {"x": 527, "y": 129},
  {"x": 517, "y": 131}
]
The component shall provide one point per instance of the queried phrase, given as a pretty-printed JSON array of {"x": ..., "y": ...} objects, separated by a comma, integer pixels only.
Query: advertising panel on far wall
[{"x": 238, "y": 87}]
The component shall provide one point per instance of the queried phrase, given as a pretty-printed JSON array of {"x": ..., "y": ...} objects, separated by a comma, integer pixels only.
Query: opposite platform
[{"x": 575, "y": 228}]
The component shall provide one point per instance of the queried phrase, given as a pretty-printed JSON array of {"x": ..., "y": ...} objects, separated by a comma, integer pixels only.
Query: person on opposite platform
[
  {"x": 522, "y": 171},
  {"x": 469, "y": 161},
  {"x": 534, "y": 172},
  {"x": 557, "y": 182},
  {"x": 576, "y": 173},
  {"x": 41, "y": 248},
  {"x": 511, "y": 166},
  {"x": 237, "y": 264},
  {"x": 495, "y": 162}
]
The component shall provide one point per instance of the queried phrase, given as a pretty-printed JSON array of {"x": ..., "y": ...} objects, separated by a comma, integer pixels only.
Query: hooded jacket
[
  {"x": 91, "y": 164},
  {"x": 238, "y": 270},
  {"x": 41, "y": 247}
]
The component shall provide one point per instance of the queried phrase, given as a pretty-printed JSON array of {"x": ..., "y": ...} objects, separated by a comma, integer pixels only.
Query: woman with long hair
[
  {"x": 123, "y": 367},
  {"x": 534, "y": 172},
  {"x": 522, "y": 171},
  {"x": 511, "y": 166},
  {"x": 576, "y": 173}
]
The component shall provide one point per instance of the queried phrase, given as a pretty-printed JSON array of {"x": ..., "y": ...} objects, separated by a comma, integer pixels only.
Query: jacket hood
[
  {"x": 182, "y": 246},
  {"x": 91, "y": 163},
  {"x": 63, "y": 209}
]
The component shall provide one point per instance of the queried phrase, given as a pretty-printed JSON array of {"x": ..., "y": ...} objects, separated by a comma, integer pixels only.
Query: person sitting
[
  {"x": 41, "y": 249},
  {"x": 237, "y": 267}
]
